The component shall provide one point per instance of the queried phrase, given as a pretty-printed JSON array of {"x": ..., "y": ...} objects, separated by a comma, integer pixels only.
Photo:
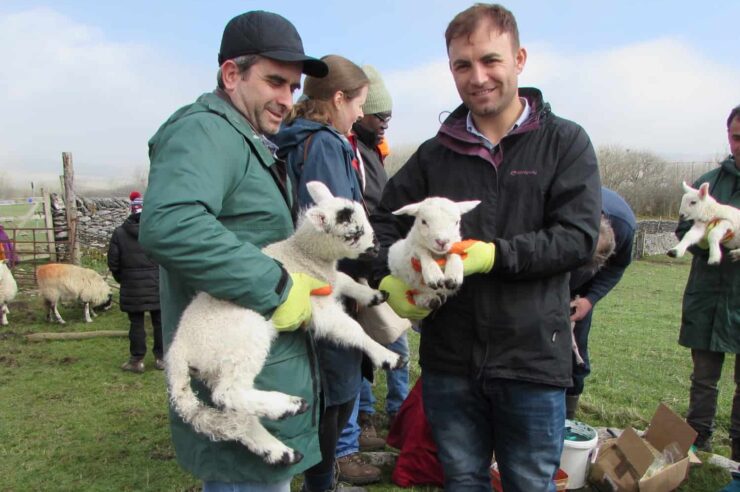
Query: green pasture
[{"x": 70, "y": 419}]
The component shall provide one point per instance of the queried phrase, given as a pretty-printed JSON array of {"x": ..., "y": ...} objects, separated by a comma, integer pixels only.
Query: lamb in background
[
  {"x": 63, "y": 282},
  {"x": 8, "y": 290},
  {"x": 415, "y": 258},
  {"x": 704, "y": 210},
  {"x": 226, "y": 345}
]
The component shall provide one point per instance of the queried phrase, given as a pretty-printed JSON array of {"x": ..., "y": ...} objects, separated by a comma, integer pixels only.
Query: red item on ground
[
  {"x": 561, "y": 480},
  {"x": 417, "y": 463}
]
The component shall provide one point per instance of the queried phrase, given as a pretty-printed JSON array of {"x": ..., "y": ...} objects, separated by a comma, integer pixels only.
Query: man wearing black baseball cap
[
  {"x": 216, "y": 196},
  {"x": 270, "y": 35}
]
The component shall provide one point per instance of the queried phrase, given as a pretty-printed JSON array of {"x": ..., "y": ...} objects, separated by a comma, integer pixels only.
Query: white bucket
[{"x": 580, "y": 440}]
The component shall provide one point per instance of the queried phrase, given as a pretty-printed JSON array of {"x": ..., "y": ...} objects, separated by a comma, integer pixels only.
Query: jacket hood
[
  {"x": 729, "y": 166},
  {"x": 131, "y": 225},
  {"x": 291, "y": 136},
  {"x": 454, "y": 134}
]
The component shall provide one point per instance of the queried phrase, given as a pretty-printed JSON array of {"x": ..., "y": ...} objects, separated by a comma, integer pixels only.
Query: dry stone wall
[
  {"x": 97, "y": 217},
  {"x": 654, "y": 237}
]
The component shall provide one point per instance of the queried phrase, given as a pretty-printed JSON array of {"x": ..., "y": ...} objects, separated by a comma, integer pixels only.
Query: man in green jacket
[
  {"x": 216, "y": 196},
  {"x": 710, "y": 324}
]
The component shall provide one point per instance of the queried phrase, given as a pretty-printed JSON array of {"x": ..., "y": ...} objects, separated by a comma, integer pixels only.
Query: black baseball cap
[{"x": 269, "y": 35}]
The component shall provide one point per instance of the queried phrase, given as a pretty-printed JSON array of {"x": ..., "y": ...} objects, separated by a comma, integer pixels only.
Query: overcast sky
[{"x": 98, "y": 78}]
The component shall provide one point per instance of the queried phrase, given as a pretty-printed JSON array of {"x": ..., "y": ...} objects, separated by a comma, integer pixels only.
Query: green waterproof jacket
[
  {"x": 711, "y": 302},
  {"x": 215, "y": 197}
]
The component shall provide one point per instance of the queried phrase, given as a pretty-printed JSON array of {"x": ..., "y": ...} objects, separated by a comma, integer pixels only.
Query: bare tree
[{"x": 642, "y": 178}]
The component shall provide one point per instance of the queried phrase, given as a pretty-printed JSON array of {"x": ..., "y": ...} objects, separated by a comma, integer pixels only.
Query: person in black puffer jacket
[{"x": 138, "y": 275}]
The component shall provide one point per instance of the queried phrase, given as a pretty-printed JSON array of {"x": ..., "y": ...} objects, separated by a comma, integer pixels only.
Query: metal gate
[{"x": 35, "y": 246}]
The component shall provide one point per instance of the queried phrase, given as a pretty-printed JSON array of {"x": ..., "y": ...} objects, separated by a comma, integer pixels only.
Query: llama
[
  {"x": 8, "y": 290},
  {"x": 416, "y": 258},
  {"x": 63, "y": 282},
  {"x": 704, "y": 210},
  {"x": 226, "y": 345}
]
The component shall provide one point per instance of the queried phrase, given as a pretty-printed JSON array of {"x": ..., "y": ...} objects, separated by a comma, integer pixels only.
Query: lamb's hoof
[
  {"x": 435, "y": 303},
  {"x": 451, "y": 284},
  {"x": 302, "y": 408},
  {"x": 401, "y": 362},
  {"x": 380, "y": 297},
  {"x": 289, "y": 458},
  {"x": 672, "y": 253}
]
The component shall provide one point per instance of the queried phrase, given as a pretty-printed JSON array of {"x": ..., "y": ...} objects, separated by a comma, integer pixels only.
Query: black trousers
[
  {"x": 137, "y": 334},
  {"x": 320, "y": 477},
  {"x": 704, "y": 391}
]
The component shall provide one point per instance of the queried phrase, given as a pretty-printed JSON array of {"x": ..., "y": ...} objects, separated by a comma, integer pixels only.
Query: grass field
[{"x": 71, "y": 420}]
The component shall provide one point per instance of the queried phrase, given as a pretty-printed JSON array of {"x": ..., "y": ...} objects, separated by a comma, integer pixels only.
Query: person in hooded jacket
[
  {"x": 138, "y": 275},
  {"x": 710, "y": 320},
  {"x": 496, "y": 357},
  {"x": 315, "y": 146}
]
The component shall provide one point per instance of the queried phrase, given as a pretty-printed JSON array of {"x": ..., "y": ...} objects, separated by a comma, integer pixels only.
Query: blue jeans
[
  {"x": 398, "y": 388},
  {"x": 580, "y": 333},
  {"x": 213, "y": 486},
  {"x": 470, "y": 418}
]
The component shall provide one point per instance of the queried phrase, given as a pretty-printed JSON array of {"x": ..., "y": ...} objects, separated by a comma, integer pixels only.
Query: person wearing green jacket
[
  {"x": 216, "y": 196},
  {"x": 710, "y": 324}
]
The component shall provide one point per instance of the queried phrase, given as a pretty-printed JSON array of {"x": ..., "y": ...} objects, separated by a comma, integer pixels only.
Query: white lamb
[
  {"x": 63, "y": 282},
  {"x": 8, "y": 290},
  {"x": 703, "y": 209},
  {"x": 226, "y": 345},
  {"x": 414, "y": 259}
]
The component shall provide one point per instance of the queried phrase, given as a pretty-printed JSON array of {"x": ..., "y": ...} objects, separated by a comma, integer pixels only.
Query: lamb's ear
[
  {"x": 467, "y": 206},
  {"x": 703, "y": 190},
  {"x": 318, "y": 191},
  {"x": 318, "y": 218},
  {"x": 411, "y": 209},
  {"x": 686, "y": 188}
]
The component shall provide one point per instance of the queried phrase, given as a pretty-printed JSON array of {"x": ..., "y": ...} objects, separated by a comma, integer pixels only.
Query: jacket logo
[{"x": 524, "y": 172}]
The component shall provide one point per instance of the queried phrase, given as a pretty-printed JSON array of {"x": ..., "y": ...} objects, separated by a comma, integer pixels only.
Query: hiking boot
[
  {"x": 159, "y": 364},
  {"x": 133, "y": 365},
  {"x": 735, "y": 449},
  {"x": 354, "y": 471},
  {"x": 369, "y": 440},
  {"x": 703, "y": 442}
]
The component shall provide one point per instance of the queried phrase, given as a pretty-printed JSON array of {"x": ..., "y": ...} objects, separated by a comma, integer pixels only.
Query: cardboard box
[
  {"x": 621, "y": 463},
  {"x": 561, "y": 479}
]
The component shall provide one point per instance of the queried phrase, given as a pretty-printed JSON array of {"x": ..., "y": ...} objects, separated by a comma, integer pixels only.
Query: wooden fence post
[
  {"x": 49, "y": 224},
  {"x": 70, "y": 200}
]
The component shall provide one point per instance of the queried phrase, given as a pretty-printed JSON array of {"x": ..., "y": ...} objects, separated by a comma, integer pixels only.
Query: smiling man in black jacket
[{"x": 496, "y": 358}]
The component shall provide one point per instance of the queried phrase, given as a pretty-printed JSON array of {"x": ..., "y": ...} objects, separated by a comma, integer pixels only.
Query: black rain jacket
[{"x": 541, "y": 205}]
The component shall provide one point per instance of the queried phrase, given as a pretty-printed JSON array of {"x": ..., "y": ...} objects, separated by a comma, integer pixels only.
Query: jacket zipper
[{"x": 311, "y": 348}]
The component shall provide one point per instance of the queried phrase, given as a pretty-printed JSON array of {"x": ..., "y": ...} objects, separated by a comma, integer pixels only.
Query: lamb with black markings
[{"x": 226, "y": 345}]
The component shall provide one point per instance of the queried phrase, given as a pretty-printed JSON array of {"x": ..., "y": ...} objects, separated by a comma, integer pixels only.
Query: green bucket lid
[{"x": 578, "y": 431}]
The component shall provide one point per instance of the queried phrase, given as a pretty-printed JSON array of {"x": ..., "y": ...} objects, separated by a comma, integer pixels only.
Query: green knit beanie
[{"x": 378, "y": 97}]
